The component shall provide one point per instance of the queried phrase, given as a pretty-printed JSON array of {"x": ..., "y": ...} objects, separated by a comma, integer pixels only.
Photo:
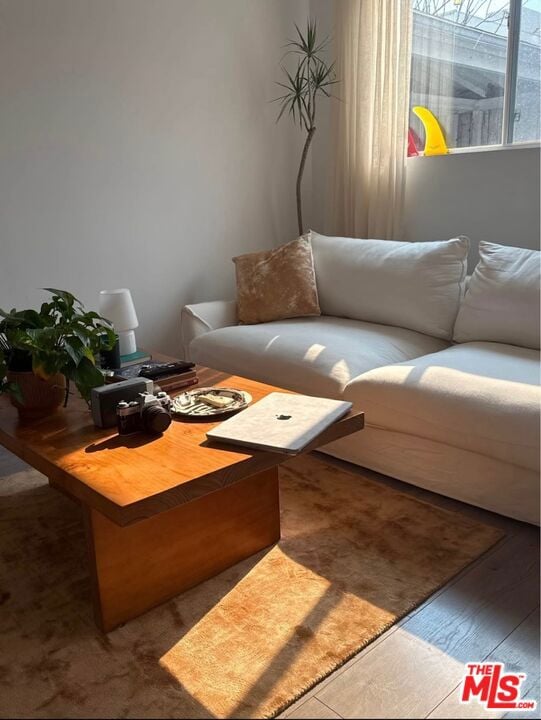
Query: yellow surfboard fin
[{"x": 434, "y": 140}]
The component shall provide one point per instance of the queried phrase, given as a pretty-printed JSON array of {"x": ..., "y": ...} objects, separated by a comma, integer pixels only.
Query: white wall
[
  {"x": 138, "y": 148},
  {"x": 489, "y": 195}
]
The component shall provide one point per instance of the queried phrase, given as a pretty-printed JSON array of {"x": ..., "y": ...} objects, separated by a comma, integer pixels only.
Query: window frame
[
  {"x": 509, "y": 92},
  {"x": 511, "y": 71}
]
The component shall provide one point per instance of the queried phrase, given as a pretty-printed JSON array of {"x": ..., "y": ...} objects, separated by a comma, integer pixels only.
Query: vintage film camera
[
  {"x": 147, "y": 413},
  {"x": 104, "y": 399}
]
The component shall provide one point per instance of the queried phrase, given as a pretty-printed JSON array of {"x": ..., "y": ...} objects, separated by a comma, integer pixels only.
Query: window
[{"x": 476, "y": 65}]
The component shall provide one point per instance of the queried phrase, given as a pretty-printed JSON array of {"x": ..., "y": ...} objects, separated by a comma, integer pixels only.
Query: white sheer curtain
[{"x": 370, "y": 123}]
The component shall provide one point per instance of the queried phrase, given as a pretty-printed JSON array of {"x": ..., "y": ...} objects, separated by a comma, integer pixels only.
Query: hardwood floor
[{"x": 490, "y": 611}]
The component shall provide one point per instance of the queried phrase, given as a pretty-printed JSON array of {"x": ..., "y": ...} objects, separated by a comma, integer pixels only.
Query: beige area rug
[{"x": 355, "y": 556}]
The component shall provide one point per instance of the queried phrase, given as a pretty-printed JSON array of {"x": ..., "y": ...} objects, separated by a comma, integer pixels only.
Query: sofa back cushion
[
  {"x": 410, "y": 285},
  {"x": 502, "y": 301}
]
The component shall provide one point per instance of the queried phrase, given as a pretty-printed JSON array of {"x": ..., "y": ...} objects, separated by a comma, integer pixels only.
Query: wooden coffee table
[{"x": 162, "y": 514}]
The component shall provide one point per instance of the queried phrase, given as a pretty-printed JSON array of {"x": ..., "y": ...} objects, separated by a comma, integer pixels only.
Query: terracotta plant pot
[{"x": 41, "y": 397}]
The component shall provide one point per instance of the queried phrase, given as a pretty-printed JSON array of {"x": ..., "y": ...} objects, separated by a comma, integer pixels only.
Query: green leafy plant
[
  {"x": 62, "y": 337},
  {"x": 312, "y": 78}
]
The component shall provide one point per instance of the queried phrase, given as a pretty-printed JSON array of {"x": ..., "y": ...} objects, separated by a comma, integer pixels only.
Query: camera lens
[{"x": 156, "y": 419}]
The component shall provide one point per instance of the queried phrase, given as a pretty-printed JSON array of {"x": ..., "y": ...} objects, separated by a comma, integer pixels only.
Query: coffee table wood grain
[{"x": 161, "y": 514}]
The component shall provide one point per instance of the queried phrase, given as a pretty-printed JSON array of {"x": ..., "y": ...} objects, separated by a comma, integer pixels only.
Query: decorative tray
[{"x": 189, "y": 404}]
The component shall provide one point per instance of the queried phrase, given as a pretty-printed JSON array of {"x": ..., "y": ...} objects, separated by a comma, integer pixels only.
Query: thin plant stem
[{"x": 299, "y": 177}]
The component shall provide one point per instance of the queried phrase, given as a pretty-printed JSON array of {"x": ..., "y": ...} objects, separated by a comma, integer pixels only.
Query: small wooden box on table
[{"x": 161, "y": 514}]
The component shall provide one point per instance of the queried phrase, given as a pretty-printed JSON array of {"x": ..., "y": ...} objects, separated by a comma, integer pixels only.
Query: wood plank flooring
[
  {"x": 520, "y": 653},
  {"x": 490, "y": 611}
]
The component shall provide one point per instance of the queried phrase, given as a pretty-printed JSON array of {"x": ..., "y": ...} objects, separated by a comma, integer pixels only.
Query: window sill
[{"x": 482, "y": 149}]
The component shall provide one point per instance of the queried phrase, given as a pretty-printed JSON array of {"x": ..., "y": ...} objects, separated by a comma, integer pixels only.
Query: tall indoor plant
[
  {"x": 312, "y": 78},
  {"x": 42, "y": 351}
]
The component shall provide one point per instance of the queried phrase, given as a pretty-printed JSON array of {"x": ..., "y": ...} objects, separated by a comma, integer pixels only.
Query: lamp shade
[{"x": 117, "y": 307}]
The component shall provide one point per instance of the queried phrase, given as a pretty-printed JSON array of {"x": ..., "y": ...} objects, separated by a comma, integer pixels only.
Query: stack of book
[
  {"x": 178, "y": 380},
  {"x": 139, "y": 357}
]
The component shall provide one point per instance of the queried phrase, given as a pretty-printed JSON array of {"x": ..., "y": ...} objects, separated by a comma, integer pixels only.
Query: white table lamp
[{"x": 117, "y": 307}]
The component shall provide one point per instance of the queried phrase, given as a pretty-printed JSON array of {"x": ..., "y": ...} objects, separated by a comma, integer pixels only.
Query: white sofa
[{"x": 457, "y": 418}]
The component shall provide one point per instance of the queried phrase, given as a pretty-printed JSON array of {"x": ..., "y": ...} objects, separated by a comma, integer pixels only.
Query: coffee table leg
[{"x": 139, "y": 566}]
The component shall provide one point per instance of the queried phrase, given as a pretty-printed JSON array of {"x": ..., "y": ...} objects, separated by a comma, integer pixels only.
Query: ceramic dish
[{"x": 187, "y": 404}]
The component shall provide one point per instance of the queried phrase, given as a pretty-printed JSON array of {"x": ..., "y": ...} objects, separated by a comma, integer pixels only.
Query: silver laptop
[{"x": 281, "y": 422}]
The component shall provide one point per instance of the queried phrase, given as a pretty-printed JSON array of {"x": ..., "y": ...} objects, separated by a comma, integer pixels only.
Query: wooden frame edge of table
[{"x": 137, "y": 567}]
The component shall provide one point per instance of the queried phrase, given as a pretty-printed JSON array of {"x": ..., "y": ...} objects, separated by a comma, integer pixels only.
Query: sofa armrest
[{"x": 201, "y": 318}]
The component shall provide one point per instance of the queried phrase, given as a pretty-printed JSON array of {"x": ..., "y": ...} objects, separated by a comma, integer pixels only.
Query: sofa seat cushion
[
  {"x": 316, "y": 356},
  {"x": 483, "y": 397}
]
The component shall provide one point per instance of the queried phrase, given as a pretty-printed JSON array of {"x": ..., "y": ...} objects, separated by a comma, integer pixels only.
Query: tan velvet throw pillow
[{"x": 277, "y": 284}]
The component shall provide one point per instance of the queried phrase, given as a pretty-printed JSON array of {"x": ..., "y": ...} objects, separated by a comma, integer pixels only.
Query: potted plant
[
  {"x": 312, "y": 79},
  {"x": 41, "y": 352}
]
